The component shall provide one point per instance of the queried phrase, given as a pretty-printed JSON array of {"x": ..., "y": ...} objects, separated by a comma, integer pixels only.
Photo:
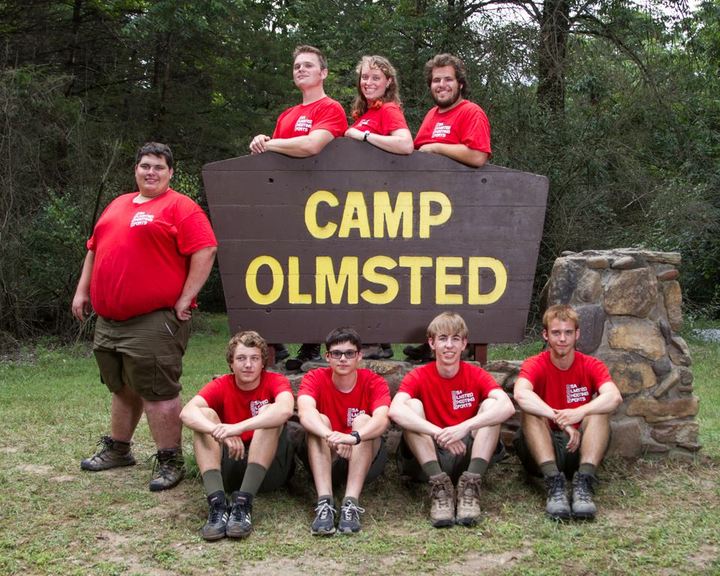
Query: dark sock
[
  {"x": 478, "y": 466},
  {"x": 432, "y": 468},
  {"x": 254, "y": 476},
  {"x": 549, "y": 468},
  {"x": 328, "y": 497},
  {"x": 121, "y": 446},
  {"x": 213, "y": 482},
  {"x": 587, "y": 469}
]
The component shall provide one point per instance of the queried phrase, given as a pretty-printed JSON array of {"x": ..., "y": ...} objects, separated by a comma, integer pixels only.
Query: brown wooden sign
[{"x": 358, "y": 237}]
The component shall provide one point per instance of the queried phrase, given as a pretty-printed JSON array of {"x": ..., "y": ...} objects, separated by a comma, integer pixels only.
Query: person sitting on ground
[
  {"x": 450, "y": 412},
  {"x": 566, "y": 398},
  {"x": 344, "y": 410},
  {"x": 239, "y": 436}
]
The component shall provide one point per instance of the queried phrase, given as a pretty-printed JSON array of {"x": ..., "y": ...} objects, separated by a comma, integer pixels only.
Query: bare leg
[
  {"x": 164, "y": 421},
  {"x": 421, "y": 445},
  {"x": 125, "y": 412},
  {"x": 208, "y": 452},
  {"x": 537, "y": 437},
  {"x": 595, "y": 438},
  {"x": 320, "y": 457},
  {"x": 362, "y": 457}
]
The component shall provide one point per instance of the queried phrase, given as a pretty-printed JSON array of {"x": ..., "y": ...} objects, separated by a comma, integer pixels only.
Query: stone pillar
[{"x": 629, "y": 304}]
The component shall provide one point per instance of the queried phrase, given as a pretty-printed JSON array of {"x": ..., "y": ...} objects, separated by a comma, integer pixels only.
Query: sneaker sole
[
  {"x": 583, "y": 516},
  {"x": 466, "y": 521},
  {"x": 558, "y": 517},
  {"x": 212, "y": 537},
  {"x": 158, "y": 488},
  {"x": 230, "y": 534},
  {"x": 443, "y": 523},
  {"x": 90, "y": 468},
  {"x": 322, "y": 533},
  {"x": 348, "y": 531}
]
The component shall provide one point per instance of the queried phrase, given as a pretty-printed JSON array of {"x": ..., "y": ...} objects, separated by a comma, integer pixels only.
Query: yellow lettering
[
  {"x": 387, "y": 217},
  {"x": 251, "y": 277},
  {"x": 294, "y": 295},
  {"x": 427, "y": 218},
  {"x": 416, "y": 264},
  {"x": 443, "y": 279},
  {"x": 371, "y": 274},
  {"x": 355, "y": 216},
  {"x": 325, "y": 279},
  {"x": 475, "y": 297},
  {"x": 311, "y": 207}
]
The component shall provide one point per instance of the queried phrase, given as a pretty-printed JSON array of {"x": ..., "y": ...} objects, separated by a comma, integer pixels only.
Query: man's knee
[{"x": 360, "y": 420}]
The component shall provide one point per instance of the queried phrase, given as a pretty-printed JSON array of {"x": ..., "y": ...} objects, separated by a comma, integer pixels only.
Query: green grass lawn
[{"x": 655, "y": 517}]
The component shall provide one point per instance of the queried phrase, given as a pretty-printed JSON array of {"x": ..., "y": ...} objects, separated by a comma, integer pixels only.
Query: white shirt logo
[
  {"x": 353, "y": 413},
  {"x": 255, "y": 406},
  {"x": 576, "y": 393},
  {"x": 141, "y": 219},
  {"x": 303, "y": 124},
  {"x": 441, "y": 130},
  {"x": 462, "y": 399}
]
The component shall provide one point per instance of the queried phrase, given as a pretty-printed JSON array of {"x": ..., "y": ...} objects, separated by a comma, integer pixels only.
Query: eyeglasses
[{"x": 337, "y": 354}]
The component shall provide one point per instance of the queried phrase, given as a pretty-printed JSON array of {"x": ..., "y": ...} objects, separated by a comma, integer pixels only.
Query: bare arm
[
  {"x": 297, "y": 147},
  {"x": 193, "y": 417},
  {"x": 310, "y": 417},
  {"x": 81, "y": 301},
  {"x": 404, "y": 416},
  {"x": 375, "y": 426},
  {"x": 495, "y": 409},
  {"x": 529, "y": 401},
  {"x": 607, "y": 400},
  {"x": 398, "y": 141},
  {"x": 459, "y": 152},
  {"x": 200, "y": 265},
  {"x": 272, "y": 415}
]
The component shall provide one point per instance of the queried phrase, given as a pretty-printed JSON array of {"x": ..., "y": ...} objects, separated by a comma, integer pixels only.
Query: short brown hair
[
  {"x": 305, "y": 48},
  {"x": 449, "y": 323},
  {"x": 458, "y": 65},
  {"x": 248, "y": 338},
  {"x": 562, "y": 312}
]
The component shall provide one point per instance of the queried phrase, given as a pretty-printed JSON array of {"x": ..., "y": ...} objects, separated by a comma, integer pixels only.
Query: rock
[
  {"x": 589, "y": 287},
  {"x": 640, "y": 336},
  {"x": 624, "y": 263},
  {"x": 392, "y": 370},
  {"x": 669, "y": 382},
  {"x": 592, "y": 325},
  {"x": 662, "y": 366},
  {"x": 679, "y": 352},
  {"x": 668, "y": 274},
  {"x": 598, "y": 262},
  {"x": 563, "y": 281},
  {"x": 631, "y": 293},
  {"x": 686, "y": 376},
  {"x": 629, "y": 374},
  {"x": 672, "y": 258},
  {"x": 654, "y": 411},
  {"x": 666, "y": 331},
  {"x": 673, "y": 303},
  {"x": 626, "y": 438},
  {"x": 684, "y": 432}
]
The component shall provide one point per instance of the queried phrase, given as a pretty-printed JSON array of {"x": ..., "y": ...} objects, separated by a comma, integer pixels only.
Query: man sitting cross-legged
[
  {"x": 344, "y": 410},
  {"x": 450, "y": 412},
  {"x": 239, "y": 436}
]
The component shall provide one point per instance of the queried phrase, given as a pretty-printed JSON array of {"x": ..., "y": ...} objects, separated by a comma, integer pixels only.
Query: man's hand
[
  {"x": 257, "y": 146},
  {"x": 81, "y": 307},
  {"x": 236, "y": 448},
  {"x": 451, "y": 435},
  {"x": 222, "y": 431},
  {"x": 456, "y": 448},
  {"x": 567, "y": 417},
  {"x": 575, "y": 437},
  {"x": 335, "y": 438},
  {"x": 344, "y": 451},
  {"x": 430, "y": 147},
  {"x": 183, "y": 310}
]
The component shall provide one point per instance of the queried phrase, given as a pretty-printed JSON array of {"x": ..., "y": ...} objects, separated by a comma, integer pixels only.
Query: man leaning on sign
[{"x": 304, "y": 130}]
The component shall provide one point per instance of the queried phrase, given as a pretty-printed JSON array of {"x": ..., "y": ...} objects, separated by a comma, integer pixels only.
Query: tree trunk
[{"x": 552, "y": 54}]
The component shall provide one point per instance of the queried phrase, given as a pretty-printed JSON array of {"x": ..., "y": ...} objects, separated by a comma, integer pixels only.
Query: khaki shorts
[
  {"x": 340, "y": 466},
  {"x": 144, "y": 352},
  {"x": 449, "y": 463}
]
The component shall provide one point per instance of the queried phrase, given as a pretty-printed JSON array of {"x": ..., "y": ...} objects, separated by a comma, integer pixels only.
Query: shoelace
[
  {"x": 557, "y": 489},
  {"x": 441, "y": 494},
  {"x": 323, "y": 509},
  {"x": 351, "y": 511},
  {"x": 470, "y": 490},
  {"x": 584, "y": 488}
]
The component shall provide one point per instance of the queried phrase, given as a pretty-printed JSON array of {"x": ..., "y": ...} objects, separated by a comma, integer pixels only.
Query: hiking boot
[
  {"x": 556, "y": 505},
  {"x": 306, "y": 353},
  {"x": 583, "y": 490},
  {"x": 214, "y": 528},
  {"x": 442, "y": 501},
  {"x": 239, "y": 524},
  {"x": 168, "y": 470},
  {"x": 468, "y": 499},
  {"x": 324, "y": 523},
  {"x": 110, "y": 454},
  {"x": 349, "y": 518},
  {"x": 420, "y": 353}
]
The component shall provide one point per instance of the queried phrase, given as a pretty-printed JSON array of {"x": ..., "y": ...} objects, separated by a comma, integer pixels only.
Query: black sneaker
[
  {"x": 583, "y": 490},
  {"x": 110, "y": 454},
  {"x": 168, "y": 470},
  {"x": 556, "y": 505},
  {"x": 239, "y": 524},
  {"x": 350, "y": 518},
  {"x": 306, "y": 353},
  {"x": 324, "y": 523},
  {"x": 214, "y": 528}
]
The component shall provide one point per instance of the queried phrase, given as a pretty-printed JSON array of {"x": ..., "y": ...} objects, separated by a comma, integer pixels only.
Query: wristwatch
[
  {"x": 354, "y": 434},
  {"x": 367, "y": 133}
]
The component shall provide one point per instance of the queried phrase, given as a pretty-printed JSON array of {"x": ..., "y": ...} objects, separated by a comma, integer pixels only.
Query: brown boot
[
  {"x": 110, "y": 454},
  {"x": 468, "y": 499},
  {"x": 169, "y": 469},
  {"x": 442, "y": 501}
]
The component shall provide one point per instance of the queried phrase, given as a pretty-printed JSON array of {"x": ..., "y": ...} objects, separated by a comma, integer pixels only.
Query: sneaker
[
  {"x": 419, "y": 353},
  {"x": 556, "y": 505},
  {"x": 583, "y": 490},
  {"x": 214, "y": 528},
  {"x": 239, "y": 524},
  {"x": 324, "y": 523},
  {"x": 350, "y": 518},
  {"x": 168, "y": 470},
  {"x": 306, "y": 353},
  {"x": 442, "y": 501},
  {"x": 468, "y": 499},
  {"x": 110, "y": 454}
]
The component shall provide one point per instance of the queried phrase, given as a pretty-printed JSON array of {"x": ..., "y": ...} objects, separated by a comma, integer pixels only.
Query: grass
[{"x": 655, "y": 517}]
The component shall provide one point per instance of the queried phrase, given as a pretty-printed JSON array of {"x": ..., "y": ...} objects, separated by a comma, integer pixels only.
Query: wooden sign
[{"x": 359, "y": 237}]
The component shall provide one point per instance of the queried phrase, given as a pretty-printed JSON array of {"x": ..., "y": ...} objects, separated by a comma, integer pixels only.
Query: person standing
[{"x": 150, "y": 253}]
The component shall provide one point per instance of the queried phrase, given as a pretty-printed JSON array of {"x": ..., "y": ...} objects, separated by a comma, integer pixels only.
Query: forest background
[{"x": 617, "y": 102}]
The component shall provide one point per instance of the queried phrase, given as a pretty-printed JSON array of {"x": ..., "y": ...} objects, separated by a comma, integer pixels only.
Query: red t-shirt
[
  {"x": 449, "y": 401},
  {"x": 383, "y": 121},
  {"x": 561, "y": 389},
  {"x": 465, "y": 124},
  {"x": 142, "y": 253},
  {"x": 370, "y": 392},
  {"x": 300, "y": 120},
  {"x": 233, "y": 405}
]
